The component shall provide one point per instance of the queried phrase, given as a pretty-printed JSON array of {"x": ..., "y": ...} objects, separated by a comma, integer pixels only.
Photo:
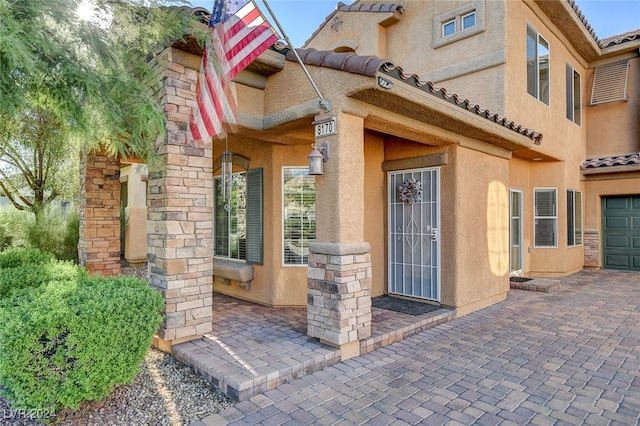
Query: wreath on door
[{"x": 410, "y": 191}]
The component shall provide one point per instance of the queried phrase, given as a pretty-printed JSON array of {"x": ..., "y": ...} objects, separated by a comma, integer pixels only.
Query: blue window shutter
[{"x": 254, "y": 216}]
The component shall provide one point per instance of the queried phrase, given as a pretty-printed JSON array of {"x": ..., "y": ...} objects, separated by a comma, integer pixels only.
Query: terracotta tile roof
[
  {"x": 582, "y": 19},
  {"x": 359, "y": 7},
  {"x": 370, "y": 65},
  {"x": 344, "y": 61},
  {"x": 620, "y": 160},
  {"x": 605, "y": 42},
  {"x": 620, "y": 38},
  {"x": 440, "y": 92},
  {"x": 369, "y": 7}
]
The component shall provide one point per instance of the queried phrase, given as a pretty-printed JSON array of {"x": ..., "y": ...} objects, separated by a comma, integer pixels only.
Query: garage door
[{"x": 621, "y": 232}]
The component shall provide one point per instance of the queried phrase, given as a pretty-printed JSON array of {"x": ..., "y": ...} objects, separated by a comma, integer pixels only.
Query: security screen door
[{"x": 414, "y": 248}]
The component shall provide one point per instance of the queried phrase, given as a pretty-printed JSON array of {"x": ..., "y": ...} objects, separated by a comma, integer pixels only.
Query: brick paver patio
[{"x": 567, "y": 357}]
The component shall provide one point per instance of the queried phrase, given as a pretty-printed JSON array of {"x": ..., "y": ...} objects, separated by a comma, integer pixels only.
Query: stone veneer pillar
[
  {"x": 180, "y": 210},
  {"x": 339, "y": 294},
  {"x": 99, "y": 244},
  {"x": 592, "y": 249},
  {"x": 339, "y": 273}
]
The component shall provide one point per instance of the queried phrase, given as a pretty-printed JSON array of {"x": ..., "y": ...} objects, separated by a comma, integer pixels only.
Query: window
[
  {"x": 545, "y": 217},
  {"x": 537, "y": 66},
  {"x": 238, "y": 220},
  {"x": 460, "y": 23},
  {"x": 574, "y": 218},
  {"x": 468, "y": 20},
  {"x": 449, "y": 28},
  {"x": 299, "y": 214},
  {"x": 610, "y": 83},
  {"x": 574, "y": 108}
]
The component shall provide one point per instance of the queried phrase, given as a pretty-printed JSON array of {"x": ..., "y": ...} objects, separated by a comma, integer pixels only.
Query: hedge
[
  {"x": 35, "y": 275},
  {"x": 74, "y": 340}
]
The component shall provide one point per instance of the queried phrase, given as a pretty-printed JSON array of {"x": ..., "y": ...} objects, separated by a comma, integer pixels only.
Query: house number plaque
[{"x": 325, "y": 127}]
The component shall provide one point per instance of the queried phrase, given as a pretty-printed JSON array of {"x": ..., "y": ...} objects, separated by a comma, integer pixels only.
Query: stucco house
[{"x": 424, "y": 194}]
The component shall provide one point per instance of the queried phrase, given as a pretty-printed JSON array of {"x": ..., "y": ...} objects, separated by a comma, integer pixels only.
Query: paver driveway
[{"x": 567, "y": 357}]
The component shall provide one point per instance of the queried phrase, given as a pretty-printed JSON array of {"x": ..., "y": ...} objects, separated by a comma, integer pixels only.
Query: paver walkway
[{"x": 567, "y": 357}]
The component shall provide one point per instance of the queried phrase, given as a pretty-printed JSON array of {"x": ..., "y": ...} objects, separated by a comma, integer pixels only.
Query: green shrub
[
  {"x": 36, "y": 274},
  {"x": 73, "y": 341},
  {"x": 21, "y": 257}
]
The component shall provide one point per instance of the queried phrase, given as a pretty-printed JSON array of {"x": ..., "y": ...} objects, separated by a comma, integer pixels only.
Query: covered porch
[{"x": 253, "y": 348}]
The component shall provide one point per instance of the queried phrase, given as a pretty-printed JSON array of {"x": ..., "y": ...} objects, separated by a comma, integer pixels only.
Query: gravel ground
[{"x": 166, "y": 392}]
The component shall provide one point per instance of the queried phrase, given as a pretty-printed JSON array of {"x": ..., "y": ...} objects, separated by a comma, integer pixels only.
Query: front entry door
[{"x": 414, "y": 222}]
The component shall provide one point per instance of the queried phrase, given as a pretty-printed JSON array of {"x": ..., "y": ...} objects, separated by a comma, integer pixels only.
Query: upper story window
[
  {"x": 468, "y": 20},
  {"x": 538, "y": 65},
  {"x": 460, "y": 23},
  {"x": 574, "y": 98}
]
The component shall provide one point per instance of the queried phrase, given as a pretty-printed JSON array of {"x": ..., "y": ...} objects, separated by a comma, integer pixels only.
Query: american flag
[{"x": 235, "y": 41}]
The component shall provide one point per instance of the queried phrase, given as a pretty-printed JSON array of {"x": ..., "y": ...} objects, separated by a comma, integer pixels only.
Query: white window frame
[
  {"x": 539, "y": 91},
  {"x": 284, "y": 242},
  {"x": 553, "y": 217},
  {"x": 462, "y": 18},
  {"x": 444, "y": 27},
  {"x": 574, "y": 95},
  {"x": 574, "y": 233}
]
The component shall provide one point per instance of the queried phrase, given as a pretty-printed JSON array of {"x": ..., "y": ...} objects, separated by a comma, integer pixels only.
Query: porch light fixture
[{"x": 319, "y": 155}]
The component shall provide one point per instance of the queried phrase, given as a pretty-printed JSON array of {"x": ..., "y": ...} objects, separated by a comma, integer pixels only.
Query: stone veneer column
[
  {"x": 592, "y": 249},
  {"x": 180, "y": 210},
  {"x": 339, "y": 273},
  {"x": 339, "y": 293},
  {"x": 99, "y": 244}
]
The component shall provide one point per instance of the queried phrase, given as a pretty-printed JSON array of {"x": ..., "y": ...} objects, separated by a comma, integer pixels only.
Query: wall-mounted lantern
[{"x": 318, "y": 156}]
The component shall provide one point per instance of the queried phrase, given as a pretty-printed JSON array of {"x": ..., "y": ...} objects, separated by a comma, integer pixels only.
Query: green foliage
[
  {"x": 33, "y": 275},
  {"x": 15, "y": 258},
  {"x": 54, "y": 231},
  {"x": 91, "y": 75},
  {"x": 73, "y": 341}
]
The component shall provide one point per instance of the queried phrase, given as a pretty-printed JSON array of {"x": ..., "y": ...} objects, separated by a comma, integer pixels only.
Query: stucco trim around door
[{"x": 414, "y": 233}]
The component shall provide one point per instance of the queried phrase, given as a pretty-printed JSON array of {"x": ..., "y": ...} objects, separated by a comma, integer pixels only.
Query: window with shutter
[
  {"x": 610, "y": 83},
  {"x": 255, "y": 217},
  {"x": 238, "y": 220},
  {"x": 545, "y": 217}
]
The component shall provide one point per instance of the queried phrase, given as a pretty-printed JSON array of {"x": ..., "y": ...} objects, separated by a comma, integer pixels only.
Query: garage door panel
[
  {"x": 617, "y": 222},
  {"x": 635, "y": 203},
  {"x": 636, "y": 262},
  {"x": 617, "y": 203},
  {"x": 616, "y": 242},
  {"x": 635, "y": 222},
  {"x": 617, "y": 261},
  {"x": 635, "y": 242}
]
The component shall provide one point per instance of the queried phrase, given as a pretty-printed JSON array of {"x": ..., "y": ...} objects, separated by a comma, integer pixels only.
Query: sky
[{"x": 300, "y": 18}]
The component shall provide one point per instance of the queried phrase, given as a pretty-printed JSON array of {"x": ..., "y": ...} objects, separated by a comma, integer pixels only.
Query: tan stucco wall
[
  {"x": 135, "y": 233},
  {"x": 273, "y": 283},
  {"x": 481, "y": 243},
  {"x": 375, "y": 207}
]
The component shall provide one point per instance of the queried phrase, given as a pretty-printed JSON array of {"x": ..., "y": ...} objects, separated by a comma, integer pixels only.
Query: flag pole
[{"x": 325, "y": 103}]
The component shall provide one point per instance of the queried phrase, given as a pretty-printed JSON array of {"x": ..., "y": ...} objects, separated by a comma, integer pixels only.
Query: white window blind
[
  {"x": 610, "y": 83},
  {"x": 545, "y": 217}
]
